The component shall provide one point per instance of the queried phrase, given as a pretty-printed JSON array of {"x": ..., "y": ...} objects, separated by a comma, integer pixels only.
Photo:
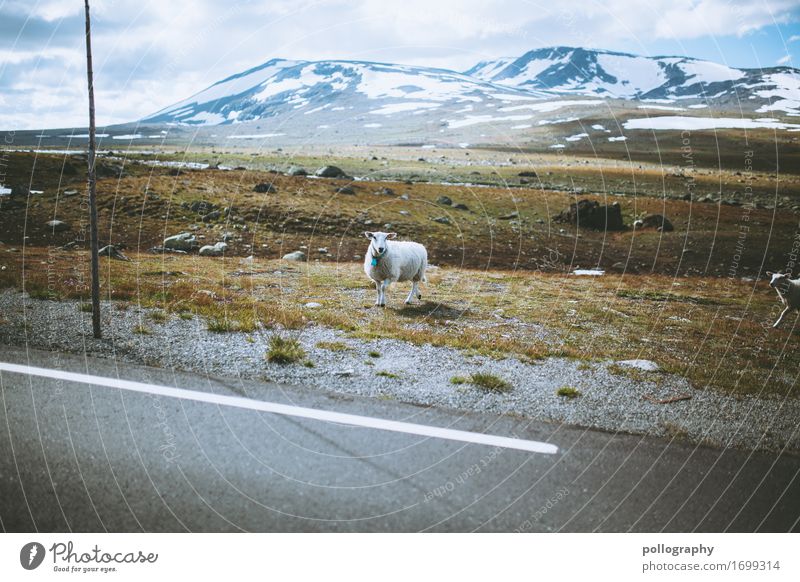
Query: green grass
[
  {"x": 284, "y": 350},
  {"x": 333, "y": 346},
  {"x": 309, "y": 364},
  {"x": 489, "y": 382},
  {"x": 86, "y": 307},
  {"x": 141, "y": 330},
  {"x": 386, "y": 374},
  {"x": 568, "y": 392},
  {"x": 186, "y": 315},
  {"x": 374, "y": 354},
  {"x": 457, "y": 380},
  {"x": 158, "y": 316}
]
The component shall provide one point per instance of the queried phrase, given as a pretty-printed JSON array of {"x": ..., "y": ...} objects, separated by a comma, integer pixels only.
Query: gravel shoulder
[{"x": 416, "y": 374}]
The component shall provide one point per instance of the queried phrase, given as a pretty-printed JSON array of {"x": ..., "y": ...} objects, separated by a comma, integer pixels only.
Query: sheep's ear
[
  {"x": 368, "y": 234},
  {"x": 391, "y": 235},
  {"x": 770, "y": 273}
]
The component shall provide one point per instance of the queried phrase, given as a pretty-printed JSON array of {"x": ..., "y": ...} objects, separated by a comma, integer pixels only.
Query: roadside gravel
[{"x": 416, "y": 374}]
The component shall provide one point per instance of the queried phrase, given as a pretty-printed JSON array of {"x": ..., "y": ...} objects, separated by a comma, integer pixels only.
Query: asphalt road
[{"x": 90, "y": 458}]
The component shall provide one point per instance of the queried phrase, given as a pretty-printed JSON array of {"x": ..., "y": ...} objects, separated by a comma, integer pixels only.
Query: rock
[
  {"x": 404, "y": 197},
  {"x": 112, "y": 252},
  {"x": 345, "y": 190},
  {"x": 643, "y": 365},
  {"x": 442, "y": 220},
  {"x": 460, "y": 206},
  {"x": 297, "y": 171},
  {"x": 295, "y": 256},
  {"x": 655, "y": 221},
  {"x": 322, "y": 250},
  {"x": 264, "y": 188},
  {"x": 183, "y": 241},
  {"x": 227, "y": 237},
  {"x": 68, "y": 193},
  {"x": 589, "y": 214},
  {"x": 330, "y": 172},
  {"x": 57, "y": 225},
  {"x": 312, "y": 305},
  {"x": 444, "y": 201},
  {"x": 404, "y": 212},
  {"x": 509, "y": 216},
  {"x": 70, "y": 245},
  {"x": 528, "y": 174},
  {"x": 202, "y": 207},
  {"x": 213, "y": 215},
  {"x": 385, "y": 192},
  {"x": 214, "y": 250}
]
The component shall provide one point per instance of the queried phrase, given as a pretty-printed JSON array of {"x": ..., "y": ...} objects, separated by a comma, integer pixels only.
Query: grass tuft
[
  {"x": 374, "y": 354},
  {"x": 284, "y": 350},
  {"x": 386, "y": 374},
  {"x": 489, "y": 382},
  {"x": 568, "y": 392},
  {"x": 333, "y": 346},
  {"x": 457, "y": 380},
  {"x": 141, "y": 329}
]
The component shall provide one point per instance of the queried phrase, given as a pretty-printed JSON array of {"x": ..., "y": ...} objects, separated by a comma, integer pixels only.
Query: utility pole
[{"x": 93, "y": 243}]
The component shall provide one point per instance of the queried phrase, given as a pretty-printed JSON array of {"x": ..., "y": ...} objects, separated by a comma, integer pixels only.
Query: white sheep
[
  {"x": 788, "y": 292},
  {"x": 386, "y": 263}
]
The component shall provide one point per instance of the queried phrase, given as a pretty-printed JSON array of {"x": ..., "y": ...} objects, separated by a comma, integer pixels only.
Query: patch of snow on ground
[
  {"x": 699, "y": 123},
  {"x": 129, "y": 136},
  {"x": 588, "y": 272},
  {"x": 521, "y": 126},
  {"x": 548, "y": 106},
  {"x": 255, "y": 135},
  {"x": 577, "y": 137},
  {"x": 475, "y": 119},
  {"x": 618, "y": 138},
  {"x": 557, "y": 146},
  {"x": 698, "y": 106},
  {"x": 661, "y": 107},
  {"x": 402, "y": 107},
  {"x": 372, "y": 125}
]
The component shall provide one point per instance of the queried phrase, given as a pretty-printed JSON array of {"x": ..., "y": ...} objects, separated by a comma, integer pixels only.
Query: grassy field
[
  {"x": 713, "y": 331},
  {"x": 502, "y": 228}
]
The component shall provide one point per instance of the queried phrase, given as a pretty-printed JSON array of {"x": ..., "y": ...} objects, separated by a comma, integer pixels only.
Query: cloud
[
  {"x": 784, "y": 60},
  {"x": 150, "y": 53},
  {"x": 794, "y": 38}
]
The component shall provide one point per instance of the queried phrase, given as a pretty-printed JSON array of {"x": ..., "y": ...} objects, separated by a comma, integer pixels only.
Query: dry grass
[
  {"x": 713, "y": 331},
  {"x": 489, "y": 382}
]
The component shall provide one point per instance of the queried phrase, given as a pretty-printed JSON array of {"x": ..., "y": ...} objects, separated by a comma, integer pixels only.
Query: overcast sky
[{"x": 151, "y": 53}]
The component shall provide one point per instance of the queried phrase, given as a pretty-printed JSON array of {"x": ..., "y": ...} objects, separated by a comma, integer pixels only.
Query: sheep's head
[
  {"x": 777, "y": 279},
  {"x": 378, "y": 241}
]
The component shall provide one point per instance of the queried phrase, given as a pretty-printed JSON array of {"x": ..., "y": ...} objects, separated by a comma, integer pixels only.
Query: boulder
[
  {"x": 656, "y": 221},
  {"x": 460, "y": 206},
  {"x": 112, "y": 252},
  {"x": 213, "y": 215},
  {"x": 345, "y": 190},
  {"x": 330, "y": 172},
  {"x": 441, "y": 220},
  {"x": 590, "y": 214},
  {"x": 57, "y": 225},
  {"x": 214, "y": 250},
  {"x": 444, "y": 201},
  {"x": 385, "y": 192},
  {"x": 295, "y": 256},
  {"x": 183, "y": 241},
  {"x": 297, "y": 171},
  {"x": 264, "y": 188},
  {"x": 528, "y": 174},
  {"x": 510, "y": 216}
]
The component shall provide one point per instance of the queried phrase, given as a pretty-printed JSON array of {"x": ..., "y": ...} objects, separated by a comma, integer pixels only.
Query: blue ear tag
[{"x": 374, "y": 262}]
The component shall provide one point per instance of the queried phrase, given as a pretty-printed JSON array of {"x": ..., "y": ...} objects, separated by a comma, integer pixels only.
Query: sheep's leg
[
  {"x": 414, "y": 293},
  {"x": 780, "y": 319},
  {"x": 384, "y": 286},
  {"x": 379, "y": 289}
]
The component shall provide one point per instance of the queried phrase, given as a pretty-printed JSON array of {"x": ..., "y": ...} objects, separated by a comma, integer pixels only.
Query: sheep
[
  {"x": 386, "y": 263},
  {"x": 788, "y": 291}
]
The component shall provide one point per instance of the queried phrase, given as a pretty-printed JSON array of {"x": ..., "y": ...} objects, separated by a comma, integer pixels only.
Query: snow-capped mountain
[
  {"x": 347, "y": 101},
  {"x": 375, "y": 89},
  {"x": 578, "y": 71}
]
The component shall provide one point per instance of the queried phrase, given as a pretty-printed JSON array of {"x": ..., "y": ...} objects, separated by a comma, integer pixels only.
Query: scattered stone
[
  {"x": 68, "y": 193},
  {"x": 509, "y": 216},
  {"x": 347, "y": 372},
  {"x": 297, "y": 171},
  {"x": 264, "y": 188},
  {"x": 312, "y": 305},
  {"x": 227, "y": 237},
  {"x": 330, "y": 172},
  {"x": 57, "y": 225},
  {"x": 444, "y": 201},
  {"x": 295, "y": 256},
  {"x": 643, "y": 365},
  {"x": 385, "y": 192},
  {"x": 214, "y": 250},
  {"x": 528, "y": 174},
  {"x": 442, "y": 220},
  {"x": 213, "y": 215},
  {"x": 322, "y": 250},
  {"x": 404, "y": 197},
  {"x": 112, "y": 252},
  {"x": 460, "y": 206},
  {"x": 655, "y": 221},
  {"x": 404, "y": 212},
  {"x": 345, "y": 190},
  {"x": 70, "y": 245},
  {"x": 590, "y": 214},
  {"x": 183, "y": 241}
]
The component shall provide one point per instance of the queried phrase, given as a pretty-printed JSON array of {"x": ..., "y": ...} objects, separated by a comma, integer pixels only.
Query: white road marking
[{"x": 288, "y": 410}]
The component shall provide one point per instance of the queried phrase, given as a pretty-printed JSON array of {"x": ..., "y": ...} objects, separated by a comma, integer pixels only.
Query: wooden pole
[{"x": 92, "y": 179}]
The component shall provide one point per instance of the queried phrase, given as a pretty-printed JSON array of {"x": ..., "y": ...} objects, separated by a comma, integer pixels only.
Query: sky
[{"x": 151, "y": 53}]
